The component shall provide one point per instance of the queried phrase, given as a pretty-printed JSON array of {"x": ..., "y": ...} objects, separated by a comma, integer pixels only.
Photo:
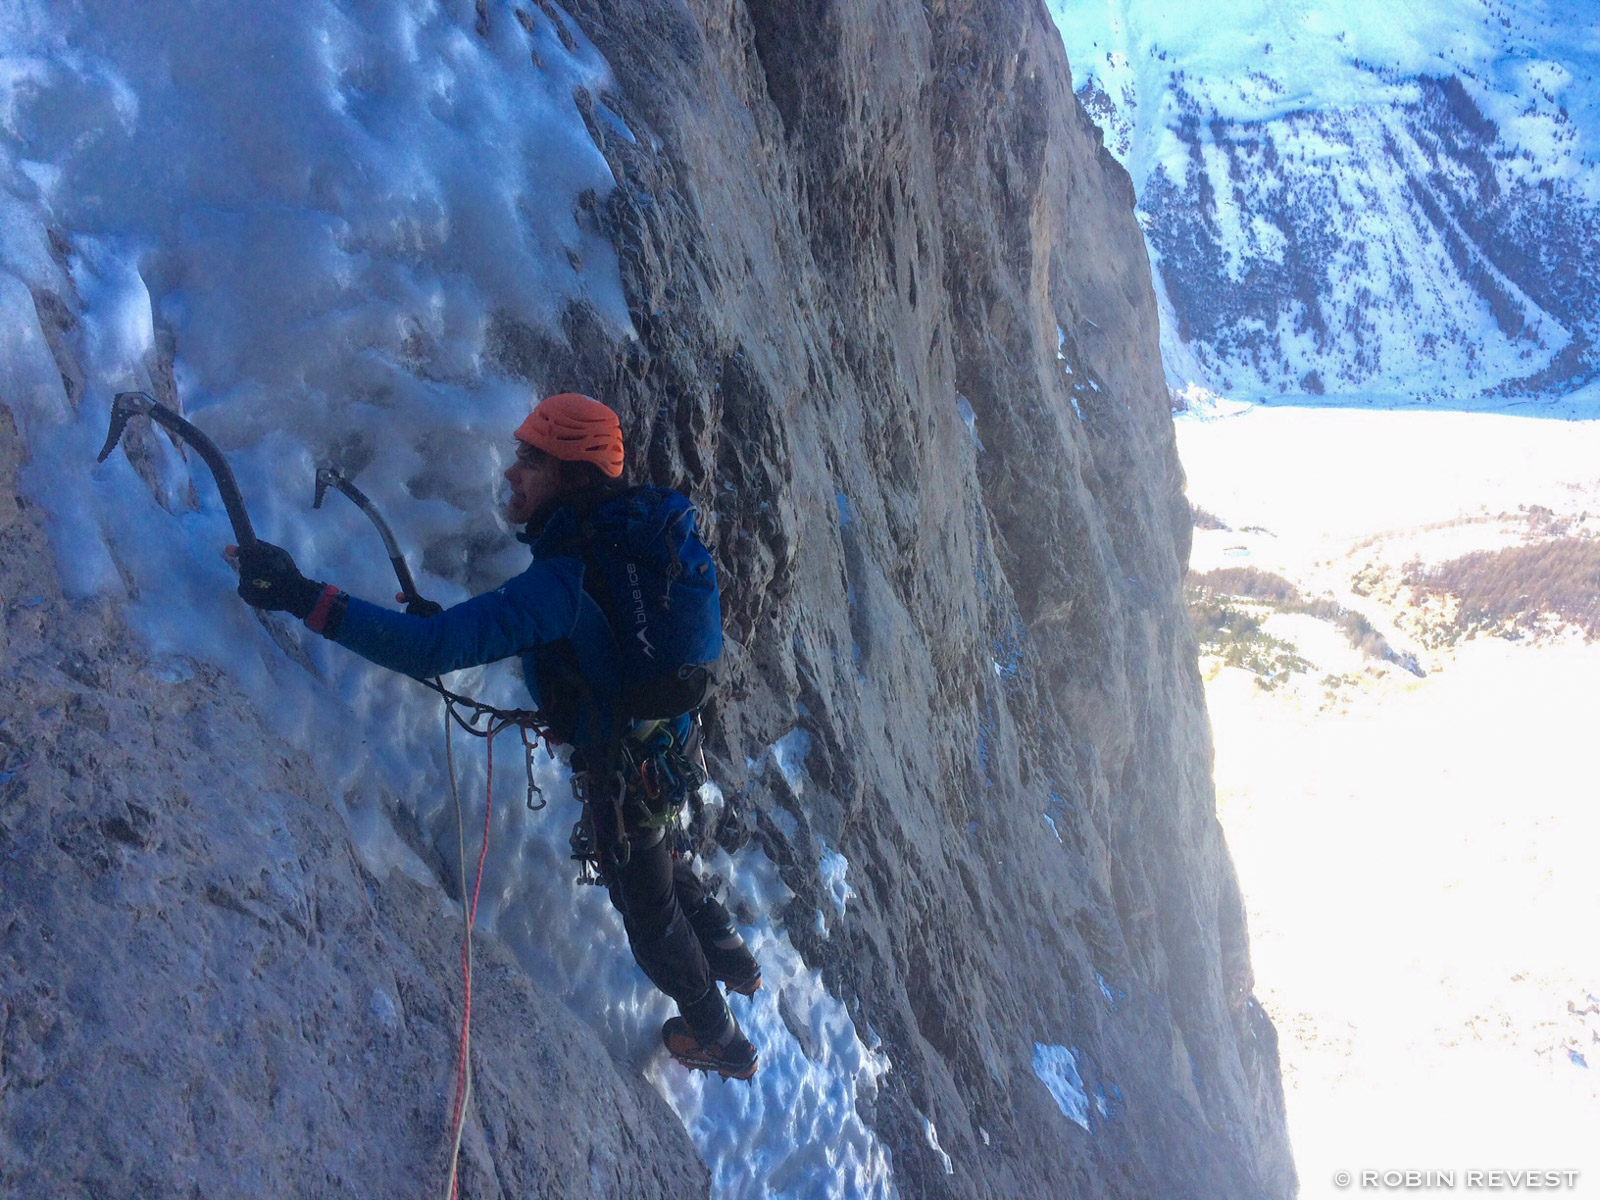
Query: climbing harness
[{"x": 643, "y": 794}]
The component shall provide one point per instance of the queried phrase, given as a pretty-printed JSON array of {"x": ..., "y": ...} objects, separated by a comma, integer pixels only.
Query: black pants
[{"x": 666, "y": 911}]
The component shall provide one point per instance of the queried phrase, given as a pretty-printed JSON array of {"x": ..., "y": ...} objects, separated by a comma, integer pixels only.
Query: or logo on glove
[{"x": 269, "y": 579}]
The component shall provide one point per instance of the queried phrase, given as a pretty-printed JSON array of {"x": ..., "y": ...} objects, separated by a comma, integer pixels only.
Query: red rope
[{"x": 458, "y": 1106}]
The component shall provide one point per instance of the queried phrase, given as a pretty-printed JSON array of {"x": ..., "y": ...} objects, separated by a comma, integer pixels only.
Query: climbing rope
[{"x": 469, "y": 911}]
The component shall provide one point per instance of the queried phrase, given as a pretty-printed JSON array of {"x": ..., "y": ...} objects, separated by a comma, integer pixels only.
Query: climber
[{"x": 581, "y": 657}]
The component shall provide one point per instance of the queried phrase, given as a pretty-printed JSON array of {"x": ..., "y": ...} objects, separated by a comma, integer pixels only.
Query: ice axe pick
[{"x": 126, "y": 405}]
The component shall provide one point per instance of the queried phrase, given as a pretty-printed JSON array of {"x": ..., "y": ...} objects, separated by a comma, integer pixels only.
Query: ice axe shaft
[
  {"x": 126, "y": 405},
  {"x": 328, "y": 477}
]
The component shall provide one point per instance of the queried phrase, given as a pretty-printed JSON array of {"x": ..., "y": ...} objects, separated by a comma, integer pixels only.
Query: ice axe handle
[{"x": 126, "y": 405}]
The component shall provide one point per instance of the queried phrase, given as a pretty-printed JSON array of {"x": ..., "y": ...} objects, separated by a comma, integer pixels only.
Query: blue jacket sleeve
[{"x": 540, "y": 605}]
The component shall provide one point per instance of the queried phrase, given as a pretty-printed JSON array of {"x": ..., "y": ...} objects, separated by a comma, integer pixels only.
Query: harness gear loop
[
  {"x": 631, "y": 794},
  {"x": 486, "y": 721},
  {"x": 582, "y": 839},
  {"x": 619, "y": 850}
]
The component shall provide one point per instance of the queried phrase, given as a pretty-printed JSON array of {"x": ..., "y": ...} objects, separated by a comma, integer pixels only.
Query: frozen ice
[
  {"x": 789, "y": 752},
  {"x": 969, "y": 419},
  {"x": 833, "y": 869}
]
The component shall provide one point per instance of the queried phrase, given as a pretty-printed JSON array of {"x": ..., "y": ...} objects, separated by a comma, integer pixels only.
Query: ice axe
[
  {"x": 415, "y": 605},
  {"x": 126, "y": 405}
]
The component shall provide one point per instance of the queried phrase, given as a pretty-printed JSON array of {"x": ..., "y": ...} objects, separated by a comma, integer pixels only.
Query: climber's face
[{"x": 534, "y": 477}]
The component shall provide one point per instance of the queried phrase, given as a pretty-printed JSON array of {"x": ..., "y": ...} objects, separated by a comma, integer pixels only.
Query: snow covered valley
[
  {"x": 1341, "y": 195},
  {"x": 1415, "y": 840}
]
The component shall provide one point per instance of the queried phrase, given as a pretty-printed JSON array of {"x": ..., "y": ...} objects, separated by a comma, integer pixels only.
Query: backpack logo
[{"x": 640, "y": 617}]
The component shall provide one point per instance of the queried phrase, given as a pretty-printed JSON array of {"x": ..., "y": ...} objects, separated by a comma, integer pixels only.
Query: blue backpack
[{"x": 647, "y": 569}]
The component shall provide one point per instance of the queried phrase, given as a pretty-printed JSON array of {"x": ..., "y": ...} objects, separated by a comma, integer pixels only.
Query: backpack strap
[
  {"x": 594, "y": 577},
  {"x": 695, "y": 683}
]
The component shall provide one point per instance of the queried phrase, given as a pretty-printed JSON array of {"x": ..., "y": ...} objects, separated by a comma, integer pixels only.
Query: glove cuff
[{"x": 325, "y": 615}]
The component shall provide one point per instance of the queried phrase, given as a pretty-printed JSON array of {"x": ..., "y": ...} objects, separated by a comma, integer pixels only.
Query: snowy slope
[
  {"x": 1452, "y": 816},
  {"x": 320, "y": 230},
  {"x": 1347, "y": 198}
]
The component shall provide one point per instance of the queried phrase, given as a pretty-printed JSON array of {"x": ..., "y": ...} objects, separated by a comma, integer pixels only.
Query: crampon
[{"x": 733, "y": 1059}]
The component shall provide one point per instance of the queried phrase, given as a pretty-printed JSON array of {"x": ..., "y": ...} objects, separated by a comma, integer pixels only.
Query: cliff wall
[{"x": 895, "y": 209}]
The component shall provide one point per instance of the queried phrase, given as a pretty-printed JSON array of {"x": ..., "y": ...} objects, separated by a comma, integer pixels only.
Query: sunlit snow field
[{"x": 1417, "y": 860}]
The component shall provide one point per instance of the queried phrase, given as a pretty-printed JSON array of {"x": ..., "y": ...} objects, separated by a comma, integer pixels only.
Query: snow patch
[
  {"x": 969, "y": 419},
  {"x": 1057, "y": 1069},
  {"x": 794, "y": 1130},
  {"x": 833, "y": 868},
  {"x": 1112, "y": 995},
  {"x": 789, "y": 753},
  {"x": 932, "y": 1136}
]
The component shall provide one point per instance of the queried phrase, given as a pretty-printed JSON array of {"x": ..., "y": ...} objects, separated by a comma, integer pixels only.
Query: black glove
[
  {"x": 269, "y": 579},
  {"x": 419, "y": 607}
]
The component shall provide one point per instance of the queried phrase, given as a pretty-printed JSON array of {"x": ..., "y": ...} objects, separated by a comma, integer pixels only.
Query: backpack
[{"x": 653, "y": 578}]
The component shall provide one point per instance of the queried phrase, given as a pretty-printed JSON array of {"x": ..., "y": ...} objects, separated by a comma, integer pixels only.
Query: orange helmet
[{"x": 575, "y": 428}]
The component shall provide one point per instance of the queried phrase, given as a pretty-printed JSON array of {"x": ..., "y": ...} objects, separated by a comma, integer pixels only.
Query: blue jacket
[{"x": 544, "y": 616}]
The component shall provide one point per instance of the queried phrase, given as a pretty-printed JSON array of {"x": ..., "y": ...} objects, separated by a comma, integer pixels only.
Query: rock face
[
  {"x": 860, "y": 223},
  {"x": 897, "y": 338}
]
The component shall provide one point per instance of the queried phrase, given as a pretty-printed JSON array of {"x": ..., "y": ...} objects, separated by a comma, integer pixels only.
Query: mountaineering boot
[
  {"x": 732, "y": 1057},
  {"x": 707, "y": 1038},
  {"x": 731, "y": 962}
]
